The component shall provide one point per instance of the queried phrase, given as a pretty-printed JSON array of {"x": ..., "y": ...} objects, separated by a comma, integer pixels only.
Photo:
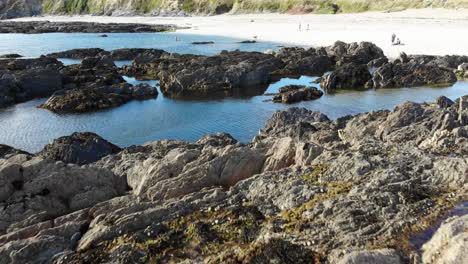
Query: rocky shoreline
[
  {"x": 97, "y": 83},
  {"x": 36, "y": 27},
  {"x": 305, "y": 190}
]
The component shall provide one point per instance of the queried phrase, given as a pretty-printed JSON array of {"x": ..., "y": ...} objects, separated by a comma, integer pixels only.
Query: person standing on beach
[
  {"x": 300, "y": 27},
  {"x": 393, "y": 38}
]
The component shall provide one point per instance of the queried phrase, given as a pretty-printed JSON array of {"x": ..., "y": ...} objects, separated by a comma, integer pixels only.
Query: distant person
[
  {"x": 300, "y": 27},
  {"x": 397, "y": 42},
  {"x": 393, "y": 38},
  {"x": 308, "y": 27}
]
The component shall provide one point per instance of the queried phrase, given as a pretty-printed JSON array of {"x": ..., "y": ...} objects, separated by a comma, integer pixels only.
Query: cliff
[{"x": 18, "y": 8}]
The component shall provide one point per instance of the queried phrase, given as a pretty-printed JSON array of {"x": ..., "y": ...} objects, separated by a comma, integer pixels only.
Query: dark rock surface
[
  {"x": 7, "y": 151},
  {"x": 76, "y": 53},
  {"x": 444, "y": 102},
  {"x": 35, "y": 27},
  {"x": 85, "y": 99},
  {"x": 78, "y": 148},
  {"x": 349, "y": 76},
  {"x": 410, "y": 74},
  {"x": 118, "y": 54},
  {"x": 296, "y": 93},
  {"x": 359, "y": 53},
  {"x": 25, "y": 79},
  {"x": 202, "y": 42},
  {"x": 228, "y": 73},
  {"x": 305, "y": 189},
  {"x": 10, "y": 56}
]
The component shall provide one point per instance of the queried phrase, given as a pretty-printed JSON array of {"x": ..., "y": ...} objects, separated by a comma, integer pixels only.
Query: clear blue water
[
  {"x": 26, "y": 127},
  {"x": 34, "y": 45}
]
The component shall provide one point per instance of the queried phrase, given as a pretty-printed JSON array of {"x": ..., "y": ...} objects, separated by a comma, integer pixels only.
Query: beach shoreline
[{"x": 426, "y": 31}]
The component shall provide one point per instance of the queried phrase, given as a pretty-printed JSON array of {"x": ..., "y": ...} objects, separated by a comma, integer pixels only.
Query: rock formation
[
  {"x": 79, "y": 148},
  {"x": 36, "y": 27},
  {"x": 80, "y": 100},
  {"x": 306, "y": 190},
  {"x": 296, "y": 93}
]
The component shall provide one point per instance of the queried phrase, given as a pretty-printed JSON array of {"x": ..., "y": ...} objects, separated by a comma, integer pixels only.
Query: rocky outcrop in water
[
  {"x": 349, "y": 76},
  {"x": 410, "y": 74},
  {"x": 36, "y": 27},
  {"x": 296, "y": 93},
  {"x": 25, "y": 79},
  {"x": 80, "y": 100},
  {"x": 118, "y": 54},
  {"x": 306, "y": 189},
  {"x": 93, "y": 84},
  {"x": 228, "y": 73}
]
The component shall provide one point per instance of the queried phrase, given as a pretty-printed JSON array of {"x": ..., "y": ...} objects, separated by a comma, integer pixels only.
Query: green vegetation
[
  {"x": 202, "y": 233},
  {"x": 243, "y": 6},
  {"x": 294, "y": 219}
]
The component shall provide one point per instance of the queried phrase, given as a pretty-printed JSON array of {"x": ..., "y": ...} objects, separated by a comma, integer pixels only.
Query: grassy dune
[{"x": 243, "y": 6}]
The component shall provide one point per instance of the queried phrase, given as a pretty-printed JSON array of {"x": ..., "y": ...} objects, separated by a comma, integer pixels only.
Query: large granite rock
[{"x": 78, "y": 148}]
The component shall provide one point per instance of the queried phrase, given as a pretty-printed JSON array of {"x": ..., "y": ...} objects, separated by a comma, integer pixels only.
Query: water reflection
[{"x": 29, "y": 128}]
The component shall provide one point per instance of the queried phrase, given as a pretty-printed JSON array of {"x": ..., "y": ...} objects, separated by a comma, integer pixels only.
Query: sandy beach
[{"x": 427, "y": 31}]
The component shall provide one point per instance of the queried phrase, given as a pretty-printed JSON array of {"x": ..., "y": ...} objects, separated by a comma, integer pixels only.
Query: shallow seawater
[
  {"x": 34, "y": 45},
  {"x": 26, "y": 127}
]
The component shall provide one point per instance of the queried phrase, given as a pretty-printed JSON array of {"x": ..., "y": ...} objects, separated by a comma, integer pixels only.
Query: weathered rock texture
[
  {"x": 92, "y": 85},
  {"x": 305, "y": 190},
  {"x": 79, "y": 148},
  {"x": 296, "y": 93}
]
